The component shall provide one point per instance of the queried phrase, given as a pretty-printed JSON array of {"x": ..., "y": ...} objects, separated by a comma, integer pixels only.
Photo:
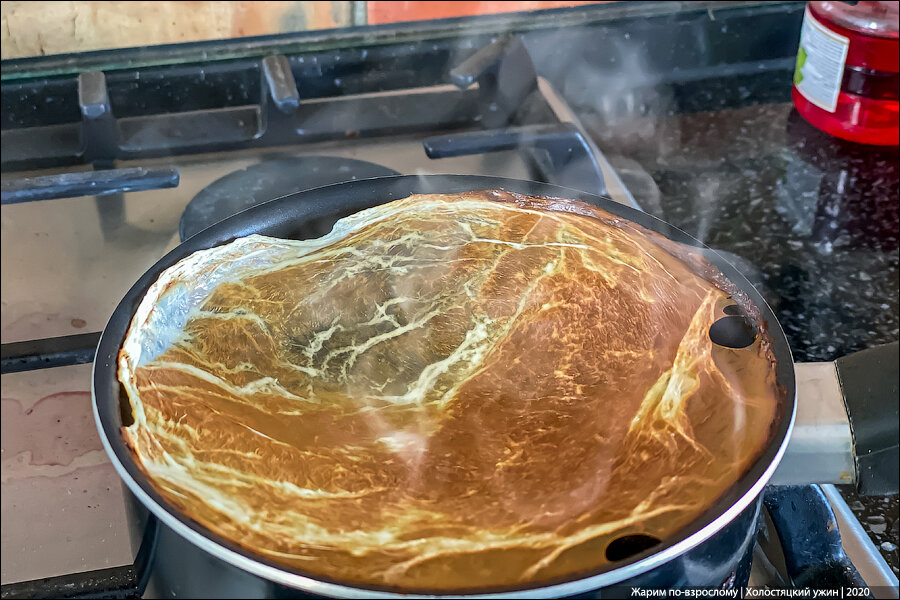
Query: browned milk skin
[{"x": 470, "y": 390}]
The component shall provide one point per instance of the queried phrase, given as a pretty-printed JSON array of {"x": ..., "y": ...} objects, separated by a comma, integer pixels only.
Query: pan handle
[
  {"x": 846, "y": 430},
  {"x": 869, "y": 383}
]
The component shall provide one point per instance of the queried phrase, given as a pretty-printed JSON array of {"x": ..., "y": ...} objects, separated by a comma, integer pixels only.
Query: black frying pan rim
[{"x": 269, "y": 219}]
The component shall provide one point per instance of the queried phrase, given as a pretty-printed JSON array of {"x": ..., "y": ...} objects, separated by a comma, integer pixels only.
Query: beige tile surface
[{"x": 62, "y": 504}]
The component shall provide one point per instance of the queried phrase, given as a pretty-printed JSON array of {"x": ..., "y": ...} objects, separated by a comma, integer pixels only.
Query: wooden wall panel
[{"x": 35, "y": 28}]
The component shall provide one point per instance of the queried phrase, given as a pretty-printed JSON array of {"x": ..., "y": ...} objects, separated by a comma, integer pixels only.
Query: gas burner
[{"x": 266, "y": 181}]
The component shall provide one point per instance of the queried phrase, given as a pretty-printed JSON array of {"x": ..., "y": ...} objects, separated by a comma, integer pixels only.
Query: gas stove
[{"x": 127, "y": 163}]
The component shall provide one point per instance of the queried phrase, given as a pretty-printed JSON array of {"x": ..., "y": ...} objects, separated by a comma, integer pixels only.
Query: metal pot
[{"x": 191, "y": 560}]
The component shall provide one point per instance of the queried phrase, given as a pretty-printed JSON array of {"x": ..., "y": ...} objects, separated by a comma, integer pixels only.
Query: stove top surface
[{"x": 267, "y": 180}]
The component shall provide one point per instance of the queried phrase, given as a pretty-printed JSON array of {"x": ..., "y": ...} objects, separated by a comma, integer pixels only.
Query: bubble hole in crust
[{"x": 445, "y": 392}]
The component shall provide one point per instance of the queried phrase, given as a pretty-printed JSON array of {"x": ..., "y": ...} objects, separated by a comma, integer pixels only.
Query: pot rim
[{"x": 266, "y": 216}]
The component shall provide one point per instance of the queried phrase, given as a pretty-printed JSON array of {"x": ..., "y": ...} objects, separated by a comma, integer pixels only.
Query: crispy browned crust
[{"x": 451, "y": 391}]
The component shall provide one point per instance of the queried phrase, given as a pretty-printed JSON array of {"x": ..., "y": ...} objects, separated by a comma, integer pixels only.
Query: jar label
[{"x": 820, "y": 63}]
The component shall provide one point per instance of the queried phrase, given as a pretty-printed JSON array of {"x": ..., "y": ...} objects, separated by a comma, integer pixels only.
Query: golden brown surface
[{"x": 446, "y": 392}]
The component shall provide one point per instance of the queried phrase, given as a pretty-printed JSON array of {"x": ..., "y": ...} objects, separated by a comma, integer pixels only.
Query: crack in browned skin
[{"x": 446, "y": 392}]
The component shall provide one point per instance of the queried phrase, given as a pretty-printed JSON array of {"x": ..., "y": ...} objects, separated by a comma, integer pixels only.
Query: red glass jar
[{"x": 847, "y": 80}]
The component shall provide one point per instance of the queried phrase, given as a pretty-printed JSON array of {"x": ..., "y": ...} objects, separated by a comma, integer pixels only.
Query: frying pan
[{"x": 718, "y": 538}]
